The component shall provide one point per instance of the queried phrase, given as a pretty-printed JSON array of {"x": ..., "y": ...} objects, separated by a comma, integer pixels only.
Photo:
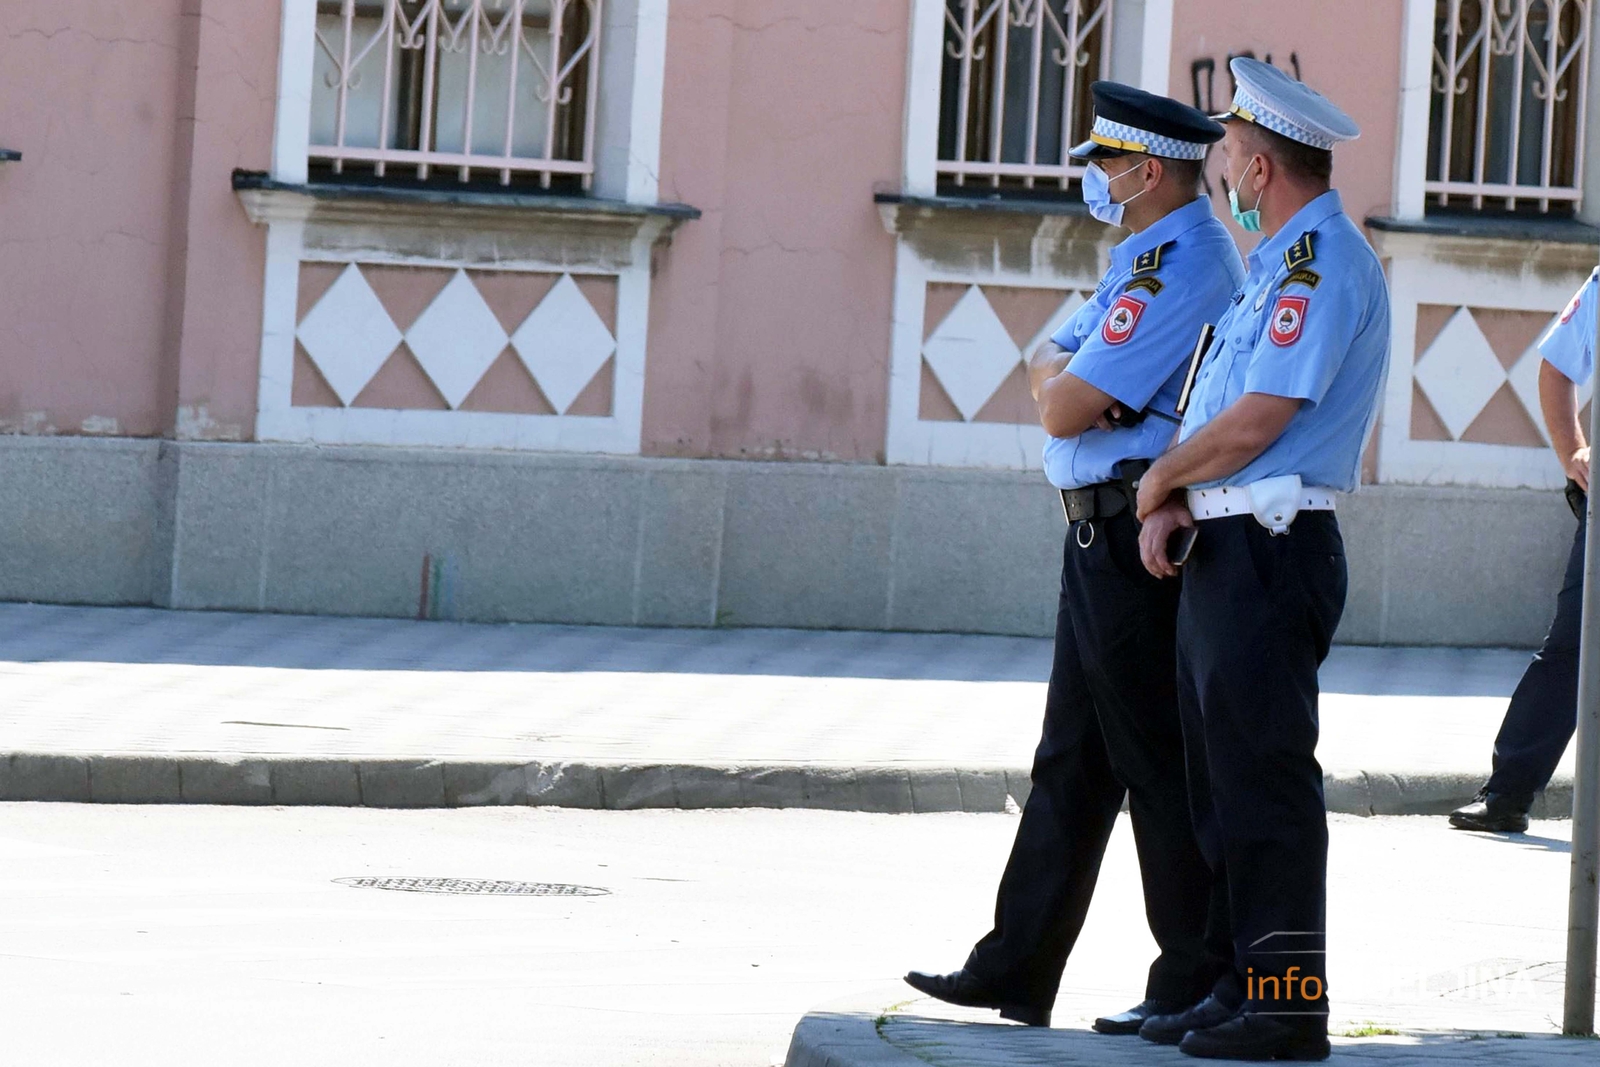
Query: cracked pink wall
[
  {"x": 1350, "y": 52},
  {"x": 121, "y": 243},
  {"x": 770, "y": 316},
  {"x": 91, "y": 98}
]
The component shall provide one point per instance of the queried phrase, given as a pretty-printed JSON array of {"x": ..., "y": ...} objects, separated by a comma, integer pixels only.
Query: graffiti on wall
[{"x": 1203, "y": 79}]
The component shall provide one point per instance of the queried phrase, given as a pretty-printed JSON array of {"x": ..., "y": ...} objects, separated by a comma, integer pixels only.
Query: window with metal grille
[
  {"x": 499, "y": 91},
  {"x": 1510, "y": 82},
  {"x": 1016, "y": 91}
]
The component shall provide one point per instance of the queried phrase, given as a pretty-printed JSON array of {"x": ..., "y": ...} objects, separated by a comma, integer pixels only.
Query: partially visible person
[{"x": 1544, "y": 708}]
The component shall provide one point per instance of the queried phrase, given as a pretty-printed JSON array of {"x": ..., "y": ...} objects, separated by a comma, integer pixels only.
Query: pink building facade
[{"x": 708, "y": 312}]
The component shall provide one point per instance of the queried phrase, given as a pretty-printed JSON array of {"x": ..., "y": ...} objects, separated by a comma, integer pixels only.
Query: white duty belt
[{"x": 1273, "y": 501}]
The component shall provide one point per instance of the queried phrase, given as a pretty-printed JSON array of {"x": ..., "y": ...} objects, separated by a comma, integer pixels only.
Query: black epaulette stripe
[
  {"x": 1150, "y": 262},
  {"x": 1301, "y": 252}
]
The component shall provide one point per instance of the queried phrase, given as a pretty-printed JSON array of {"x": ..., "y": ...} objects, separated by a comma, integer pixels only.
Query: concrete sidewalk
[{"x": 141, "y": 705}]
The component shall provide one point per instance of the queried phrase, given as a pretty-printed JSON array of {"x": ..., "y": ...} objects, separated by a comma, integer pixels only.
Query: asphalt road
[{"x": 169, "y": 935}]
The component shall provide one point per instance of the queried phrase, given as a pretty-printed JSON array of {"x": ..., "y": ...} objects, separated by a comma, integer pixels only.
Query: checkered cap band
[
  {"x": 1154, "y": 143},
  {"x": 1265, "y": 115}
]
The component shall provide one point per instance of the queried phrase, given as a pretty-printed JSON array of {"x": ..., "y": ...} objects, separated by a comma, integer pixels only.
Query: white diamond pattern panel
[
  {"x": 1459, "y": 372},
  {"x": 348, "y": 334},
  {"x": 971, "y": 353},
  {"x": 564, "y": 343},
  {"x": 456, "y": 339},
  {"x": 1069, "y": 307},
  {"x": 1525, "y": 381}
]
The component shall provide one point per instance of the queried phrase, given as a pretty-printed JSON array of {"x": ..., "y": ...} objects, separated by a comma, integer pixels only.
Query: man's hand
[
  {"x": 1577, "y": 467},
  {"x": 1104, "y": 421},
  {"x": 1157, "y": 530}
]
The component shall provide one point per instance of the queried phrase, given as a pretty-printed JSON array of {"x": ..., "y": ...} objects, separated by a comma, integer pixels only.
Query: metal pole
[{"x": 1583, "y": 901}]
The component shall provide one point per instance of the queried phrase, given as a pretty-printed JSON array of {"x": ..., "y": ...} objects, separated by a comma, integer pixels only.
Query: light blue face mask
[
  {"x": 1250, "y": 220},
  {"x": 1097, "y": 194}
]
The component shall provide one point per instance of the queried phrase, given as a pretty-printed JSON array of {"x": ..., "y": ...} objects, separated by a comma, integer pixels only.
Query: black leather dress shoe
[
  {"x": 1169, "y": 1029},
  {"x": 1256, "y": 1037},
  {"x": 966, "y": 989},
  {"x": 1494, "y": 813},
  {"x": 1128, "y": 1022}
]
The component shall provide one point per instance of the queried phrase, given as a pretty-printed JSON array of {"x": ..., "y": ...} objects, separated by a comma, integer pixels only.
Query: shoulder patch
[
  {"x": 1289, "y": 319},
  {"x": 1149, "y": 262},
  {"x": 1121, "y": 320},
  {"x": 1153, "y": 286},
  {"x": 1301, "y": 252},
  {"x": 1304, "y": 276}
]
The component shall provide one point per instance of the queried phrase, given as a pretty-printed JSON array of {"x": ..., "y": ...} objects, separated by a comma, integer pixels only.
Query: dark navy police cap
[{"x": 1131, "y": 120}]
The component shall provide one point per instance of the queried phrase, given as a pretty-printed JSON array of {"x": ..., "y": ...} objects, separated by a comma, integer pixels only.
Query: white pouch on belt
[{"x": 1276, "y": 501}]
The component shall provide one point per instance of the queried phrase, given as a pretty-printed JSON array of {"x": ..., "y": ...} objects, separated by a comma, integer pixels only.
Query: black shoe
[
  {"x": 1128, "y": 1022},
  {"x": 1169, "y": 1029},
  {"x": 966, "y": 989},
  {"x": 1494, "y": 813},
  {"x": 1256, "y": 1037}
]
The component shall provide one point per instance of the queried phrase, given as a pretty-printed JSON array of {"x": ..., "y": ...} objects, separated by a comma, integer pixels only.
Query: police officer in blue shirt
[
  {"x": 1544, "y": 707},
  {"x": 1282, "y": 407},
  {"x": 1107, "y": 387}
]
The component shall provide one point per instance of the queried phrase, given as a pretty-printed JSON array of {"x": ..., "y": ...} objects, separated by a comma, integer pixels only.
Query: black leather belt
[
  {"x": 1094, "y": 502},
  {"x": 1103, "y": 500}
]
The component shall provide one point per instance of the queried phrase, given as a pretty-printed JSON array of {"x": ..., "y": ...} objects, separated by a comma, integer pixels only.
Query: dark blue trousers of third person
[
  {"x": 1110, "y": 729},
  {"x": 1544, "y": 708},
  {"x": 1256, "y": 621}
]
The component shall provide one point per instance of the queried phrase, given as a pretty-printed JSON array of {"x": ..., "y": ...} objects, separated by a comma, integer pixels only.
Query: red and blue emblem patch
[
  {"x": 1572, "y": 307},
  {"x": 1288, "y": 319},
  {"x": 1121, "y": 320}
]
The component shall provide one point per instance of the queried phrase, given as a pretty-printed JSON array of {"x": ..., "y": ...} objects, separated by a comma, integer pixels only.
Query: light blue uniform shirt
[
  {"x": 1134, "y": 339},
  {"x": 1312, "y": 322},
  {"x": 1568, "y": 346}
]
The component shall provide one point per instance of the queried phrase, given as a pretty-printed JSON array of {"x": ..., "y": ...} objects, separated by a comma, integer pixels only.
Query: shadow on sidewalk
[{"x": 32, "y": 633}]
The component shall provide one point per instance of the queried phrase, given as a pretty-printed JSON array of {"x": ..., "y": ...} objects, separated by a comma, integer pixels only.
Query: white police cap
[{"x": 1272, "y": 100}]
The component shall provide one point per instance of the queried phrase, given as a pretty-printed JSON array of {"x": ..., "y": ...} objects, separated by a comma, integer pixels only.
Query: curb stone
[
  {"x": 874, "y": 1030},
  {"x": 160, "y": 778}
]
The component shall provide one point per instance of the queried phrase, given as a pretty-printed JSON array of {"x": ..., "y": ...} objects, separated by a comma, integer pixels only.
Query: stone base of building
[{"x": 496, "y": 537}]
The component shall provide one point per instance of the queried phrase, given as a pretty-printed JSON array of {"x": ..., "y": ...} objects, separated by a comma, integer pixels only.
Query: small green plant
[{"x": 1370, "y": 1030}]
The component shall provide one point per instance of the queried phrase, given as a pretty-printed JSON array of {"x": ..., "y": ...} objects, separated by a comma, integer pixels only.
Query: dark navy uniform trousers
[
  {"x": 1256, "y": 620},
  {"x": 1544, "y": 708},
  {"x": 1110, "y": 729}
]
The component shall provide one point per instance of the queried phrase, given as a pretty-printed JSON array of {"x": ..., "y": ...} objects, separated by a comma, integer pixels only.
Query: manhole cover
[{"x": 476, "y": 886}]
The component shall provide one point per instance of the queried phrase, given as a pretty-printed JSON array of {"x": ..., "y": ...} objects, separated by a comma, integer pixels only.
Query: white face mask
[
  {"x": 1097, "y": 194},
  {"x": 1250, "y": 220}
]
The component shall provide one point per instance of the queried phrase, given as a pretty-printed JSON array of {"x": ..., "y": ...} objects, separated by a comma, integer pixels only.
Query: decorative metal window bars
[
  {"x": 501, "y": 86},
  {"x": 1015, "y": 91},
  {"x": 1510, "y": 81}
]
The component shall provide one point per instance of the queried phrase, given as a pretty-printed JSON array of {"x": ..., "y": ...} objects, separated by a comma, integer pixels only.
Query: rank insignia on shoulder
[
  {"x": 1149, "y": 262},
  {"x": 1300, "y": 253},
  {"x": 1153, "y": 286},
  {"x": 1304, "y": 276}
]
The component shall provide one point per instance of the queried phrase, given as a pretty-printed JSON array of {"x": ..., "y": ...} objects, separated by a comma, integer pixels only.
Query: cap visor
[
  {"x": 1226, "y": 116},
  {"x": 1095, "y": 150}
]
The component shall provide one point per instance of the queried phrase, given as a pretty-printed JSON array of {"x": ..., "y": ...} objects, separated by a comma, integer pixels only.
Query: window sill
[
  {"x": 267, "y": 200},
  {"x": 1493, "y": 228},
  {"x": 982, "y": 205},
  {"x": 468, "y": 227}
]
